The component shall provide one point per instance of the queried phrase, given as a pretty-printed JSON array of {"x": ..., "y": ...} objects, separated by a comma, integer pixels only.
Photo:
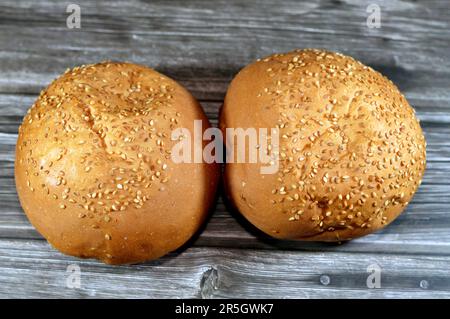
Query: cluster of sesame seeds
[
  {"x": 107, "y": 124},
  {"x": 351, "y": 147}
]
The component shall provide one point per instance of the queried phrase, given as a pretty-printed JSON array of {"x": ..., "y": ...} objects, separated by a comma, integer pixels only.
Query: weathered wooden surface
[
  {"x": 203, "y": 44},
  {"x": 214, "y": 272}
]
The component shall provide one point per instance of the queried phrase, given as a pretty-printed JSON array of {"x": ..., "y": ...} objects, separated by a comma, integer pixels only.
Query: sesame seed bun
[
  {"x": 93, "y": 168},
  {"x": 351, "y": 151}
]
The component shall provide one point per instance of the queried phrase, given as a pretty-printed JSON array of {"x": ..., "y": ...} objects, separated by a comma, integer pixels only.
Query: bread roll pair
[{"x": 94, "y": 172}]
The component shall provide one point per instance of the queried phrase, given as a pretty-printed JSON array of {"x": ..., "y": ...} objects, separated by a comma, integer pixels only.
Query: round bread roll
[
  {"x": 93, "y": 164},
  {"x": 351, "y": 150}
]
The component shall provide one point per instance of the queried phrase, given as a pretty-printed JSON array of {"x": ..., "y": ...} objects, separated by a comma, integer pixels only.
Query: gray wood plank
[
  {"x": 32, "y": 269},
  {"x": 204, "y": 44}
]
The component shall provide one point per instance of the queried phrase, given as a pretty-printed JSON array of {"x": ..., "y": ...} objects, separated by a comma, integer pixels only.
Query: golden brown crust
[
  {"x": 93, "y": 168},
  {"x": 352, "y": 152}
]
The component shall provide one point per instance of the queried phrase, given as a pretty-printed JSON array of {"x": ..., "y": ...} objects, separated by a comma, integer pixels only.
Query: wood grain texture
[
  {"x": 203, "y": 44},
  {"x": 221, "y": 273}
]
